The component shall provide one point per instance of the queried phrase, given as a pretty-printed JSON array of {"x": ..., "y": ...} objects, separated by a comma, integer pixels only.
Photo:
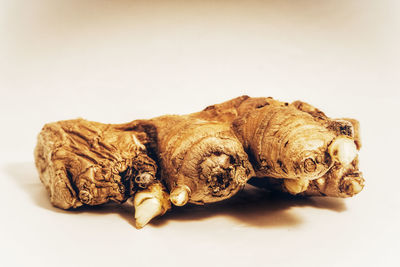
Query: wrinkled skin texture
[
  {"x": 200, "y": 158},
  {"x": 206, "y": 157},
  {"x": 291, "y": 141},
  {"x": 82, "y": 162},
  {"x": 339, "y": 181}
]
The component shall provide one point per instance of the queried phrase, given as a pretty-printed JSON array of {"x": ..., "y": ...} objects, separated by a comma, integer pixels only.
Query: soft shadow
[
  {"x": 25, "y": 175},
  {"x": 252, "y": 207}
]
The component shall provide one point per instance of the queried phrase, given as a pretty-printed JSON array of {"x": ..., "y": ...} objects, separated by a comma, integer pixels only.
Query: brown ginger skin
[
  {"x": 82, "y": 162},
  {"x": 282, "y": 141},
  {"x": 202, "y": 157},
  {"x": 295, "y": 142},
  {"x": 200, "y": 161},
  {"x": 340, "y": 181}
]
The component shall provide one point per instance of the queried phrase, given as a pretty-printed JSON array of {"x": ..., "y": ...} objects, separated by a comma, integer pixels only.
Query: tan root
[
  {"x": 296, "y": 142},
  {"x": 200, "y": 161},
  {"x": 200, "y": 158}
]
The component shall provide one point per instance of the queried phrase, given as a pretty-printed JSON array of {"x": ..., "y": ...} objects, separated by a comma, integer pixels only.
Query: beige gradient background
[{"x": 119, "y": 60}]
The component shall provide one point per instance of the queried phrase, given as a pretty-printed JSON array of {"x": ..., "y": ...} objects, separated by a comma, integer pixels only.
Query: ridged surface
[
  {"x": 205, "y": 156},
  {"x": 88, "y": 162}
]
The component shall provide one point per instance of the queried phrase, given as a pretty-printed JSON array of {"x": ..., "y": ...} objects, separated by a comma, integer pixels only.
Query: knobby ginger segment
[
  {"x": 285, "y": 142},
  {"x": 89, "y": 163},
  {"x": 201, "y": 161},
  {"x": 340, "y": 181},
  {"x": 296, "y": 142}
]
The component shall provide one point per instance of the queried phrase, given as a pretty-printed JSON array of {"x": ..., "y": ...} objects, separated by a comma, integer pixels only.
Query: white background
[{"x": 118, "y": 60}]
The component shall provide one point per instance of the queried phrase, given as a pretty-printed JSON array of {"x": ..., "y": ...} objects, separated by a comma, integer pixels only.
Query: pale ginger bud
[{"x": 343, "y": 149}]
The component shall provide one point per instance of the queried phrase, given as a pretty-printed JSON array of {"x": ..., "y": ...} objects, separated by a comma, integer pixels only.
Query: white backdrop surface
[{"x": 118, "y": 60}]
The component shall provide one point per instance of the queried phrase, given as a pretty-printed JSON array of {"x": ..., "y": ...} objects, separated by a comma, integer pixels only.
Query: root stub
[
  {"x": 351, "y": 185},
  {"x": 145, "y": 179},
  {"x": 180, "y": 195},
  {"x": 150, "y": 203},
  {"x": 222, "y": 175}
]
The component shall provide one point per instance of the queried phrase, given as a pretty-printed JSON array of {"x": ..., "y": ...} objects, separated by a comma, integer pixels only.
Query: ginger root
[
  {"x": 200, "y": 158},
  {"x": 295, "y": 142},
  {"x": 82, "y": 162},
  {"x": 200, "y": 161}
]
